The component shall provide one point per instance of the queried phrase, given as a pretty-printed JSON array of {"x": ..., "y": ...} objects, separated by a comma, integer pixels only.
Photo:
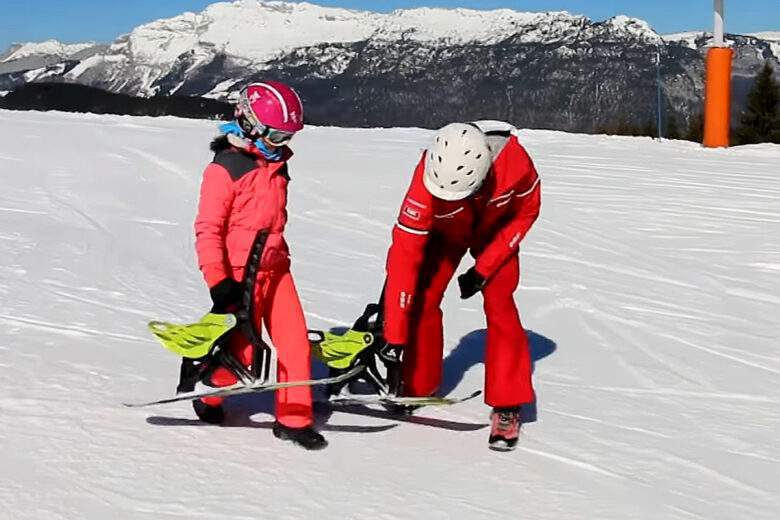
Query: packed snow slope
[{"x": 651, "y": 289}]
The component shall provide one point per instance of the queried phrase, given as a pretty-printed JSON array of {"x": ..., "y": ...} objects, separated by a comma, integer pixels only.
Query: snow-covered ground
[{"x": 651, "y": 287}]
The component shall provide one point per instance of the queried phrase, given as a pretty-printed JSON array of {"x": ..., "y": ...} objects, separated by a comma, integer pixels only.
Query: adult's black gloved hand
[
  {"x": 226, "y": 296},
  {"x": 391, "y": 356},
  {"x": 391, "y": 353},
  {"x": 470, "y": 282}
]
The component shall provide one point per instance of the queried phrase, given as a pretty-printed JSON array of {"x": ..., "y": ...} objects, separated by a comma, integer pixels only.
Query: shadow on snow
[
  {"x": 470, "y": 352},
  {"x": 242, "y": 420}
]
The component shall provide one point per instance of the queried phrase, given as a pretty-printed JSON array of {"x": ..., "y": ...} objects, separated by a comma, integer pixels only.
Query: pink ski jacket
[{"x": 240, "y": 195}]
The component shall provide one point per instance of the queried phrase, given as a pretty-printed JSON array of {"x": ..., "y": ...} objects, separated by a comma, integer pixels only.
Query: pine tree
[
  {"x": 695, "y": 130},
  {"x": 672, "y": 127},
  {"x": 760, "y": 120},
  {"x": 623, "y": 127},
  {"x": 648, "y": 129}
]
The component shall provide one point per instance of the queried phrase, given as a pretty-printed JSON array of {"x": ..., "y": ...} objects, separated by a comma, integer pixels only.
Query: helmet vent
[{"x": 456, "y": 172}]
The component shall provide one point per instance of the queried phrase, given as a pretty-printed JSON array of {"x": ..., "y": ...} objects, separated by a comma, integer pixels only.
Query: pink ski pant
[{"x": 278, "y": 309}]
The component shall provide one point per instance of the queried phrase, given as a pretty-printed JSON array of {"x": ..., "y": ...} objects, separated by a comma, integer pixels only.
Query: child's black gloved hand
[{"x": 226, "y": 296}]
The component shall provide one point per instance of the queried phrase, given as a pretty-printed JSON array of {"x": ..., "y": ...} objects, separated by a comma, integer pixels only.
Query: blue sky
[{"x": 103, "y": 20}]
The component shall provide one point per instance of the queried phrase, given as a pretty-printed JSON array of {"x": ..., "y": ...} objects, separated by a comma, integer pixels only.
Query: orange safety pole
[
  {"x": 717, "y": 87},
  {"x": 717, "y": 97}
]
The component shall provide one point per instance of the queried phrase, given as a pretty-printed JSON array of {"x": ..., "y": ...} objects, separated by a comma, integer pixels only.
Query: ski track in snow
[{"x": 649, "y": 287}]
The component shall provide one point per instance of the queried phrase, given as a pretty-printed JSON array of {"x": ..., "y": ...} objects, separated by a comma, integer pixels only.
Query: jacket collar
[{"x": 227, "y": 141}]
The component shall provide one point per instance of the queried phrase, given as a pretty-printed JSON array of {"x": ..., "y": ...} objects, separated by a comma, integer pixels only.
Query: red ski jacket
[
  {"x": 241, "y": 194},
  {"x": 490, "y": 223}
]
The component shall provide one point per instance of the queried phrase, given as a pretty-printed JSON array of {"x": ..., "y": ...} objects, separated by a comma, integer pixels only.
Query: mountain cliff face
[{"x": 421, "y": 67}]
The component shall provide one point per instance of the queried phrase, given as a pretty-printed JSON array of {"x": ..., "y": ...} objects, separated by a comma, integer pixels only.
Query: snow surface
[
  {"x": 43, "y": 73},
  {"x": 767, "y": 35},
  {"x": 651, "y": 286},
  {"x": 46, "y": 48},
  {"x": 460, "y": 26},
  {"x": 92, "y": 61},
  {"x": 221, "y": 89},
  {"x": 634, "y": 27},
  {"x": 689, "y": 38},
  {"x": 773, "y": 37}
]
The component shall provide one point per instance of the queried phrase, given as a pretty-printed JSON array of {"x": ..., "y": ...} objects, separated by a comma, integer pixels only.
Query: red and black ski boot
[{"x": 505, "y": 428}]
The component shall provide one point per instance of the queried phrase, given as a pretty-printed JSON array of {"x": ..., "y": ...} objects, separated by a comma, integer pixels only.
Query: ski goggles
[
  {"x": 254, "y": 129},
  {"x": 270, "y": 135},
  {"x": 276, "y": 137}
]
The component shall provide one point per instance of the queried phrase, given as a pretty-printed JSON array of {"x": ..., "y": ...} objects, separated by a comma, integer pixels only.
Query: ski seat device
[
  {"x": 358, "y": 346},
  {"x": 203, "y": 345}
]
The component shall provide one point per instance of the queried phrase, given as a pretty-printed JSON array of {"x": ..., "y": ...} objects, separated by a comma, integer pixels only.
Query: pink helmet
[{"x": 271, "y": 104}]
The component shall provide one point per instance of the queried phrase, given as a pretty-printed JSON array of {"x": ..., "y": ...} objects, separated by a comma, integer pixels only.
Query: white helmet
[{"x": 457, "y": 163}]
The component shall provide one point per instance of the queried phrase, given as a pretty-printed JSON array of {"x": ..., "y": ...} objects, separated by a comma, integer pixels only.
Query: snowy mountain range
[
  {"x": 47, "y": 48},
  {"x": 38, "y": 57},
  {"x": 366, "y": 68}
]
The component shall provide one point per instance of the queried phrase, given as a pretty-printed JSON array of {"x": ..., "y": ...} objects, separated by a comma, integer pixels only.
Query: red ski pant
[
  {"x": 507, "y": 357},
  {"x": 278, "y": 308}
]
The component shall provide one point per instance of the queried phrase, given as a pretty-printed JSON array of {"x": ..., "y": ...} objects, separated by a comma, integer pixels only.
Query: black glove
[
  {"x": 470, "y": 282},
  {"x": 391, "y": 353},
  {"x": 226, "y": 296},
  {"x": 391, "y": 356}
]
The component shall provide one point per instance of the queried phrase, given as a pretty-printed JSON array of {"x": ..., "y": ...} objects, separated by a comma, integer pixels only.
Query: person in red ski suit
[
  {"x": 243, "y": 192},
  {"x": 474, "y": 190}
]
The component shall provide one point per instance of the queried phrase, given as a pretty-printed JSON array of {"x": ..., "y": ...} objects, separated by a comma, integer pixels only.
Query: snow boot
[
  {"x": 207, "y": 413},
  {"x": 505, "y": 428},
  {"x": 307, "y": 437}
]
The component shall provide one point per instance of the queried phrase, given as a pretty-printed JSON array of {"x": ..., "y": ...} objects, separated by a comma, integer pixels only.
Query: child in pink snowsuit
[{"x": 244, "y": 192}]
